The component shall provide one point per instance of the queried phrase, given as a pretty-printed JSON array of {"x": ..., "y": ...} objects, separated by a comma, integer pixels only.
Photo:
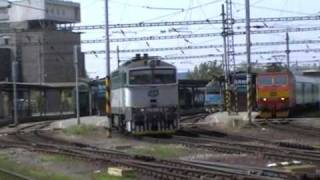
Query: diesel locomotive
[{"x": 144, "y": 95}]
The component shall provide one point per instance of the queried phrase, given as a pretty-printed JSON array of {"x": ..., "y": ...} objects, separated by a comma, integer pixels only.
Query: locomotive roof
[
  {"x": 274, "y": 72},
  {"x": 299, "y": 77},
  {"x": 141, "y": 61}
]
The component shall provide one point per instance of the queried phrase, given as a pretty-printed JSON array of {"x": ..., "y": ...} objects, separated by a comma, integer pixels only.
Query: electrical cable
[
  {"x": 178, "y": 12},
  {"x": 275, "y": 9}
]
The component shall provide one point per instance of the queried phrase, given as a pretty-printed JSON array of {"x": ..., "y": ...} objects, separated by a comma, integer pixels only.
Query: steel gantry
[
  {"x": 184, "y": 23},
  {"x": 190, "y": 47},
  {"x": 228, "y": 33}
]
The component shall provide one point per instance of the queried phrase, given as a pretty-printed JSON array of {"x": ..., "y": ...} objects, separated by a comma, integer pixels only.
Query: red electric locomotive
[{"x": 278, "y": 93}]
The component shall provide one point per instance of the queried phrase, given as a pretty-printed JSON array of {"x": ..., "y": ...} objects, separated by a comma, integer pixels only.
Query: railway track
[
  {"x": 301, "y": 130},
  {"x": 226, "y": 143},
  {"x": 306, "y": 127},
  {"x": 288, "y": 125},
  {"x": 194, "y": 118},
  {"x": 32, "y": 138},
  {"x": 270, "y": 151},
  {"x": 307, "y": 131},
  {"x": 232, "y": 149},
  {"x": 219, "y": 135},
  {"x": 8, "y": 174},
  {"x": 180, "y": 166}
]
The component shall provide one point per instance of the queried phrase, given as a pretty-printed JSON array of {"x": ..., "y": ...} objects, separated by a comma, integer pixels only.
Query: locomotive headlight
[
  {"x": 142, "y": 110},
  {"x": 264, "y": 99},
  {"x": 282, "y": 99}
]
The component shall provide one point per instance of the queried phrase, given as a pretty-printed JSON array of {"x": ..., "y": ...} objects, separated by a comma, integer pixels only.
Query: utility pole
[
  {"x": 14, "y": 89},
  {"x": 118, "y": 56},
  {"x": 288, "y": 50},
  {"x": 249, "y": 81},
  {"x": 226, "y": 62},
  {"x": 76, "y": 64},
  {"x": 108, "y": 72}
]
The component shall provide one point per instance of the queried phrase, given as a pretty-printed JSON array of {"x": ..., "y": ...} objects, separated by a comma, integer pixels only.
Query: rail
[{"x": 14, "y": 175}]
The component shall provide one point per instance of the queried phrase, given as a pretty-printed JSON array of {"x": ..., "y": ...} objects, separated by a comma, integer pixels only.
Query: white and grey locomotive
[{"x": 145, "y": 96}]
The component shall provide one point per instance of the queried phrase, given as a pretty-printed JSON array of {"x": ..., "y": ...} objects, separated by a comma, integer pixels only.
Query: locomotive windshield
[
  {"x": 213, "y": 88},
  {"x": 152, "y": 76},
  {"x": 265, "y": 80},
  {"x": 281, "y": 80},
  {"x": 164, "y": 76},
  {"x": 140, "y": 76},
  {"x": 277, "y": 80}
]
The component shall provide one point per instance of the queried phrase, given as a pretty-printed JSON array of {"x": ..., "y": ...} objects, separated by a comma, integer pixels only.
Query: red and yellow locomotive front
[{"x": 274, "y": 94}]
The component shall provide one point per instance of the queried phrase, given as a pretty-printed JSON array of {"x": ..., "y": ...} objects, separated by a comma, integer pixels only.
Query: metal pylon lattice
[{"x": 231, "y": 56}]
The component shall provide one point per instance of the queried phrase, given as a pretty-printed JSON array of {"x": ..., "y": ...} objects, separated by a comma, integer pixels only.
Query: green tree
[{"x": 206, "y": 71}]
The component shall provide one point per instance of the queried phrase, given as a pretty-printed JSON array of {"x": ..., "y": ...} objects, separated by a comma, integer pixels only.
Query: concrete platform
[
  {"x": 100, "y": 121},
  {"x": 224, "y": 119}
]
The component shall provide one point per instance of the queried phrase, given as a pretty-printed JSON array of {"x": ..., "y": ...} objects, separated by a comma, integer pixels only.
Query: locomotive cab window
[
  {"x": 152, "y": 76},
  {"x": 281, "y": 80},
  {"x": 140, "y": 76},
  {"x": 265, "y": 80},
  {"x": 164, "y": 76},
  {"x": 118, "y": 79},
  {"x": 214, "y": 89}
]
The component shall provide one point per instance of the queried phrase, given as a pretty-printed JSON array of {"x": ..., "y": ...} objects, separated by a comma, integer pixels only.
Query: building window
[
  {"x": 76, "y": 13},
  {"x": 6, "y": 41},
  {"x": 3, "y": 10}
]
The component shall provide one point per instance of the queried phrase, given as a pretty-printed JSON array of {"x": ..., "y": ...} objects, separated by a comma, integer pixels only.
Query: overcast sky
[{"x": 135, "y": 11}]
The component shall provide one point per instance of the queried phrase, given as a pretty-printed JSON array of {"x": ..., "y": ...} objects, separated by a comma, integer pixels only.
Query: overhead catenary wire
[
  {"x": 202, "y": 35},
  {"x": 180, "y": 38},
  {"x": 186, "y": 10},
  {"x": 190, "y": 47},
  {"x": 275, "y": 9},
  {"x": 220, "y": 54}
]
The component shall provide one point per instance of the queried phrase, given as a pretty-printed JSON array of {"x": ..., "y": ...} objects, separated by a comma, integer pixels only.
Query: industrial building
[
  {"x": 44, "y": 54},
  {"x": 45, "y": 70}
]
